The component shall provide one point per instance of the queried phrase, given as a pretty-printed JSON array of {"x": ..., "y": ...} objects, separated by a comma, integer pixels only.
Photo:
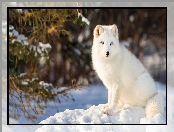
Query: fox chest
[{"x": 107, "y": 73}]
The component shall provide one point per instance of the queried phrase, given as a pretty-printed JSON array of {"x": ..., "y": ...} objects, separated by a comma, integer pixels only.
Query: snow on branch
[{"x": 83, "y": 18}]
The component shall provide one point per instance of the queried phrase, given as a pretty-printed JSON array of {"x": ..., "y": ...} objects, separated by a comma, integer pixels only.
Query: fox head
[{"x": 106, "y": 42}]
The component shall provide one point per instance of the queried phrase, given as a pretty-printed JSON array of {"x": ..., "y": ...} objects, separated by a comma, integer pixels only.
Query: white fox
[{"x": 127, "y": 80}]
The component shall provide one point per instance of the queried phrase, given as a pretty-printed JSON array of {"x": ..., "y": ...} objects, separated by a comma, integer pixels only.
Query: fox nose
[{"x": 107, "y": 53}]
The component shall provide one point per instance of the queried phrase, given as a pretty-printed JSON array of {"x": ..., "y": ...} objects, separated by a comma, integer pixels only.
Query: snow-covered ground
[
  {"x": 96, "y": 96},
  {"x": 82, "y": 101},
  {"x": 87, "y": 109},
  {"x": 88, "y": 103}
]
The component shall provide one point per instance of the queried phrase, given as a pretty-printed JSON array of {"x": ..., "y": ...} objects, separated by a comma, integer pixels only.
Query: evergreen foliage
[{"x": 30, "y": 61}]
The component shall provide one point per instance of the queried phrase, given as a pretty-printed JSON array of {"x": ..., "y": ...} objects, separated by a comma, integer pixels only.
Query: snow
[
  {"x": 22, "y": 74},
  {"x": 55, "y": 90},
  {"x": 157, "y": 119},
  {"x": 24, "y": 83},
  {"x": 34, "y": 48},
  {"x": 38, "y": 50},
  {"x": 25, "y": 43},
  {"x": 45, "y": 85},
  {"x": 94, "y": 115},
  {"x": 21, "y": 37},
  {"x": 24, "y": 40},
  {"x": 10, "y": 34},
  {"x": 88, "y": 111},
  {"x": 44, "y": 47},
  {"x": 34, "y": 78},
  {"x": 11, "y": 27},
  {"x": 83, "y": 18},
  {"x": 15, "y": 33}
]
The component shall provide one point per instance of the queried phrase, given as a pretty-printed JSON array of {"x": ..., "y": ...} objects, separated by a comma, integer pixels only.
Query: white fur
[{"x": 127, "y": 80}]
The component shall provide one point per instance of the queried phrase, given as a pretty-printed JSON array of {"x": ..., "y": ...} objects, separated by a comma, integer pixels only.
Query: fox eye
[
  {"x": 102, "y": 42},
  {"x": 111, "y": 43}
]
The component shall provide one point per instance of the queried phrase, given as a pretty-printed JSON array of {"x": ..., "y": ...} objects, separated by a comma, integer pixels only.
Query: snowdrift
[
  {"x": 126, "y": 115},
  {"x": 93, "y": 115}
]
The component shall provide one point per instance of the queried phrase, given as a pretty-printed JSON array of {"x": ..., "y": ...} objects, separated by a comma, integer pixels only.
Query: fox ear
[
  {"x": 114, "y": 30},
  {"x": 98, "y": 31}
]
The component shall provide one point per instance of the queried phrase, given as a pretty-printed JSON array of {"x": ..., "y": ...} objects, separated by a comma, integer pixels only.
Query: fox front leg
[
  {"x": 109, "y": 98},
  {"x": 113, "y": 100}
]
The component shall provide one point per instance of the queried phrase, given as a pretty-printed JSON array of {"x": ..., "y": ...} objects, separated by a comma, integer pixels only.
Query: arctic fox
[{"x": 127, "y": 80}]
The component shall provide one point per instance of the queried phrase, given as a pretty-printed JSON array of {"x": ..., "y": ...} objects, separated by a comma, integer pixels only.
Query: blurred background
[
  {"x": 67, "y": 65},
  {"x": 142, "y": 31}
]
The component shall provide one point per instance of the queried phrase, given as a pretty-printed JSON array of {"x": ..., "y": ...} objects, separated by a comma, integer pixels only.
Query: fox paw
[
  {"x": 107, "y": 111},
  {"x": 106, "y": 106}
]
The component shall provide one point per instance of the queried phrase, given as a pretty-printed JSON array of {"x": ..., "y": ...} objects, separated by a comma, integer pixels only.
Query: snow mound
[
  {"x": 94, "y": 115},
  {"x": 157, "y": 119}
]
